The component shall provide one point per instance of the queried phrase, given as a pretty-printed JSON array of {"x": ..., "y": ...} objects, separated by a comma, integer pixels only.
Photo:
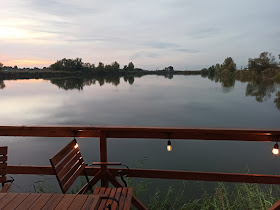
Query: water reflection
[
  {"x": 260, "y": 88},
  {"x": 71, "y": 83},
  {"x": 227, "y": 82},
  {"x": 2, "y": 84},
  {"x": 78, "y": 83}
]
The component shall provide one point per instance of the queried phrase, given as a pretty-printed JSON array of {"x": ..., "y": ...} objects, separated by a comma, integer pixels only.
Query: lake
[{"x": 189, "y": 101}]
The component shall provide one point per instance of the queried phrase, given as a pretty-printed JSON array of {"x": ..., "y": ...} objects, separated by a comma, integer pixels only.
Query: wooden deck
[{"x": 34, "y": 201}]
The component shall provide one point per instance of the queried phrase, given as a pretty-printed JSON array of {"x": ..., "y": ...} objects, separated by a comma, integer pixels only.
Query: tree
[
  {"x": 228, "y": 64},
  {"x": 100, "y": 66},
  {"x": 68, "y": 65},
  {"x": 115, "y": 66},
  {"x": 264, "y": 61},
  {"x": 212, "y": 70},
  {"x": 108, "y": 67},
  {"x": 125, "y": 67},
  {"x": 1, "y": 65},
  {"x": 130, "y": 66}
]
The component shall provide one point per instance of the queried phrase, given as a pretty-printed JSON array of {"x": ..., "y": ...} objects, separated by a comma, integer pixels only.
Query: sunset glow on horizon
[{"x": 27, "y": 63}]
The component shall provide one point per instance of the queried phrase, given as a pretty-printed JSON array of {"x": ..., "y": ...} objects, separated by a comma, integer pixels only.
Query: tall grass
[{"x": 239, "y": 196}]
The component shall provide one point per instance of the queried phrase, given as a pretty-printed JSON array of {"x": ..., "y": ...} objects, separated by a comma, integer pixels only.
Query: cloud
[
  {"x": 188, "y": 50},
  {"x": 142, "y": 54},
  {"x": 170, "y": 46},
  {"x": 204, "y": 32},
  {"x": 58, "y": 8},
  {"x": 161, "y": 45}
]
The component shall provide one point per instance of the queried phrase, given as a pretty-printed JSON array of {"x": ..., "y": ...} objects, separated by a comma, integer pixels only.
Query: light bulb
[
  {"x": 76, "y": 146},
  {"x": 275, "y": 149},
  {"x": 169, "y": 147}
]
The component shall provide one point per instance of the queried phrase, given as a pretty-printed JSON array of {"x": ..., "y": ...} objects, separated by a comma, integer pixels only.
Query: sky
[{"x": 152, "y": 34}]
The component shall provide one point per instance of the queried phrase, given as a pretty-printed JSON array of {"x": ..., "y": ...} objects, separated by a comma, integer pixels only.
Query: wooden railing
[{"x": 182, "y": 133}]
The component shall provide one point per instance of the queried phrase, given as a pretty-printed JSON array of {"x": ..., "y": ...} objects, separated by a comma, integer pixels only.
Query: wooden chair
[
  {"x": 68, "y": 165},
  {"x": 3, "y": 170}
]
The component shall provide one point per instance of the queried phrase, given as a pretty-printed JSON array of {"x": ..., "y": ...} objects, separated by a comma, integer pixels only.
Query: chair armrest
[
  {"x": 107, "y": 163},
  {"x": 5, "y": 188}
]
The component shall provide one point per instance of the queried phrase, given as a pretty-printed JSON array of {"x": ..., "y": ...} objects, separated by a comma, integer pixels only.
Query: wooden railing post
[{"x": 103, "y": 158}]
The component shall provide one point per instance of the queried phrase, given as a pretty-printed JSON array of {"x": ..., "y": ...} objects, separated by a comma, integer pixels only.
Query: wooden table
[{"x": 22, "y": 201}]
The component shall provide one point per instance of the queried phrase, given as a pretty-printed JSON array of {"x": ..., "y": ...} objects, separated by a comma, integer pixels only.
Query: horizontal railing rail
[
  {"x": 143, "y": 132},
  {"x": 159, "y": 174}
]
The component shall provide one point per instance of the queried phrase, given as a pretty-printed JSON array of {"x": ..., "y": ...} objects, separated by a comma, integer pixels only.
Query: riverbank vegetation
[
  {"x": 265, "y": 66},
  {"x": 224, "y": 196}
]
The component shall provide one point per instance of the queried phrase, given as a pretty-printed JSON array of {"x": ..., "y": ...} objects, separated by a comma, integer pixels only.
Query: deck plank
[
  {"x": 78, "y": 202},
  {"x": 2, "y": 195},
  {"x": 28, "y": 201},
  {"x": 16, "y": 201},
  {"x": 53, "y": 202},
  {"x": 6, "y": 199},
  {"x": 41, "y": 201},
  {"x": 91, "y": 202},
  {"x": 34, "y": 201},
  {"x": 65, "y": 202}
]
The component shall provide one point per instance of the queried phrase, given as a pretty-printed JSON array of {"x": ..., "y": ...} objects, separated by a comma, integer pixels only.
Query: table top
[{"x": 33, "y": 201}]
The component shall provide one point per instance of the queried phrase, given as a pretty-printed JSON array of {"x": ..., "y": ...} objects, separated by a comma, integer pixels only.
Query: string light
[
  {"x": 169, "y": 147},
  {"x": 76, "y": 145},
  {"x": 275, "y": 149}
]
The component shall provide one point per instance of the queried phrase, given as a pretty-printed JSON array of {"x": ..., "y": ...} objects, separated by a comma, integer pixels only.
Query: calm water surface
[{"x": 190, "y": 101}]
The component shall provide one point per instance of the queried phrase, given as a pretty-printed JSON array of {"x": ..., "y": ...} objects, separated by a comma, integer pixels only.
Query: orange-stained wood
[
  {"x": 3, "y": 169},
  {"x": 103, "y": 158},
  {"x": 275, "y": 206},
  {"x": 143, "y": 132},
  {"x": 107, "y": 163},
  {"x": 160, "y": 174}
]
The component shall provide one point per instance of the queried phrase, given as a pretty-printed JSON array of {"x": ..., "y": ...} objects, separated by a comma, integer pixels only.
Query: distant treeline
[
  {"x": 77, "y": 68},
  {"x": 78, "y": 65},
  {"x": 263, "y": 66}
]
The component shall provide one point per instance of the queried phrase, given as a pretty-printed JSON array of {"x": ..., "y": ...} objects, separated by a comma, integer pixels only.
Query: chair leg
[
  {"x": 92, "y": 182},
  {"x": 5, "y": 188},
  {"x": 88, "y": 181}
]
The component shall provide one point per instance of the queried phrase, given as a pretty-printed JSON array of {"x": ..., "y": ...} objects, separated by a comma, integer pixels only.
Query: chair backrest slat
[
  {"x": 68, "y": 164},
  {"x": 64, "y": 162},
  {"x": 3, "y": 150},
  {"x": 3, "y": 158},
  {"x": 3, "y": 164},
  {"x": 67, "y": 167},
  {"x": 63, "y": 153},
  {"x": 73, "y": 170},
  {"x": 74, "y": 176}
]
